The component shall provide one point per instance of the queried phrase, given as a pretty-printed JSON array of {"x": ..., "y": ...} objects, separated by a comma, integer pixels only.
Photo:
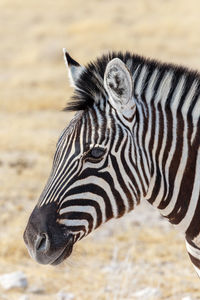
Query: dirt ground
[{"x": 139, "y": 256}]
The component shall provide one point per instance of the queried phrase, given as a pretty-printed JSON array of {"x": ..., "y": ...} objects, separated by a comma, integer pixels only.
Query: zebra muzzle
[{"x": 47, "y": 241}]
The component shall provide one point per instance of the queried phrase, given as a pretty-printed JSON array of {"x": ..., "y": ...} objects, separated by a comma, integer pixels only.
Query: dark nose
[
  {"x": 42, "y": 243},
  {"x": 38, "y": 236},
  {"x": 47, "y": 241},
  {"x": 38, "y": 244}
]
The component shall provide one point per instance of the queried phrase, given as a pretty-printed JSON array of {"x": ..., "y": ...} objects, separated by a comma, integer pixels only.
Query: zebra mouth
[{"x": 64, "y": 254}]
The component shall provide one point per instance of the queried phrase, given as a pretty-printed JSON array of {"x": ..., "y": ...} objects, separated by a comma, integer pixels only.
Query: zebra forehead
[
  {"x": 80, "y": 118},
  {"x": 90, "y": 85}
]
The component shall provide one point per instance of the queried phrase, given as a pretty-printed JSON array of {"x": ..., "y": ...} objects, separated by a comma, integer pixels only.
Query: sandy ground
[{"x": 124, "y": 257}]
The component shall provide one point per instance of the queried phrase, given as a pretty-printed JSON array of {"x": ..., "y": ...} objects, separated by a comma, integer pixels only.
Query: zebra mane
[{"x": 90, "y": 85}]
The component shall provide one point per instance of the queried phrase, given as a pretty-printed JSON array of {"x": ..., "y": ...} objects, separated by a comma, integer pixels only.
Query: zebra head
[{"x": 92, "y": 178}]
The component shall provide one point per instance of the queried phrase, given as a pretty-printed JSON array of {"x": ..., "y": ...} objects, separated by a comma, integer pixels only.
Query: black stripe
[
  {"x": 85, "y": 202},
  {"x": 153, "y": 128},
  {"x": 94, "y": 189},
  {"x": 78, "y": 216}
]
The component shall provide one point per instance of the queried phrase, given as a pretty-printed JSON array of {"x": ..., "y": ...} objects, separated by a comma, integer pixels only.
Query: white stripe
[
  {"x": 195, "y": 118},
  {"x": 140, "y": 134},
  {"x": 196, "y": 188},
  {"x": 193, "y": 251},
  {"x": 197, "y": 270},
  {"x": 90, "y": 196},
  {"x": 75, "y": 223},
  {"x": 184, "y": 224},
  {"x": 184, "y": 157},
  {"x": 158, "y": 98},
  {"x": 165, "y": 92},
  {"x": 83, "y": 209},
  {"x": 127, "y": 153},
  {"x": 101, "y": 183},
  {"x": 148, "y": 96},
  {"x": 139, "y": 85},
  {"x": 122, "y": 172},
  {"x": 81, "y": 234},
  {"x": 175, "y": 102}
]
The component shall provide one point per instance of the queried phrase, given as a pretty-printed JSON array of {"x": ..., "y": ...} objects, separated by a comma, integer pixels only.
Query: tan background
[{"x": 126, "y": 256}]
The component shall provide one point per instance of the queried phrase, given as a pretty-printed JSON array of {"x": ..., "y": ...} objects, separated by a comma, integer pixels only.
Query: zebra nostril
[{"x": 42, "y": 243}]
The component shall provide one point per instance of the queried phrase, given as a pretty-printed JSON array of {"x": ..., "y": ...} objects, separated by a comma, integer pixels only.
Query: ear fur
[
  {"x": 74, "y": 68},
  {"x": 118, "y": 84}
]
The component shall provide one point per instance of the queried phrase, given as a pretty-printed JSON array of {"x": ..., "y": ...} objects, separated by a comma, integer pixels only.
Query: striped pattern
[{"x": 152, "y": 155}]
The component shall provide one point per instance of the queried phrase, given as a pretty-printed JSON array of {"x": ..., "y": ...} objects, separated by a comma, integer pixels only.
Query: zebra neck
[{"x": 168, "y": 126}]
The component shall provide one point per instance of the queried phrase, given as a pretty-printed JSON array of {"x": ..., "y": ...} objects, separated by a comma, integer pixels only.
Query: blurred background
[{"x": 139, "y": 256}]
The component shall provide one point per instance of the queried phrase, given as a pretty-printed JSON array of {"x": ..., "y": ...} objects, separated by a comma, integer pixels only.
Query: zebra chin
[{"x": 47, "y": 241}]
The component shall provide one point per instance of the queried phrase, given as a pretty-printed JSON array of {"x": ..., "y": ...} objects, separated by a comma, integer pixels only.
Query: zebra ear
[
  {"x": 118, "y": 84},
  {"x": 74, "y": 69}
]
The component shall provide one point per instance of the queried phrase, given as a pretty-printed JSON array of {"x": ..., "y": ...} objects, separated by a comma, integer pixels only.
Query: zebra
[{"x": 135, "y": 136}]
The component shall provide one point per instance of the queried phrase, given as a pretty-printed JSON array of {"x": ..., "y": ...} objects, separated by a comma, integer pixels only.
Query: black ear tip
[{"x": 69, "y": 59}]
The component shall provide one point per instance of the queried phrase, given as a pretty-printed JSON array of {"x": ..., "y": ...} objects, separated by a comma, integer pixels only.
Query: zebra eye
[{"x": 96, "y": 153}]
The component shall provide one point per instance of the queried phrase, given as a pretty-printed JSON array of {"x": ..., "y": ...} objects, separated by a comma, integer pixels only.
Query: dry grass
[{"x": 126, "y": 255}]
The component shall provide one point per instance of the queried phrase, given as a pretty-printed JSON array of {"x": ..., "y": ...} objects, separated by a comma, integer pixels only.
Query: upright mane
[{"x": 90, "y": 85}]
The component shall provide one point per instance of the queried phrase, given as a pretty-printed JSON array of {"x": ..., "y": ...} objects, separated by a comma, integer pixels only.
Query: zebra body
[{"x": 135, "y": 137}]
